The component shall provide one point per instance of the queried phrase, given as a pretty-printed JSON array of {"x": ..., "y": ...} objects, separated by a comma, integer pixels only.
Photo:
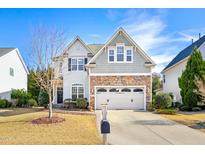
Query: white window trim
[
  {"x": 115, "y": 53},
  {"x": 77, "y": 58},
  {"x": 120, "y": 45},
  {"x": 131, "y": 55},
  {"x": 109, "y": 55},
  {"x": 78, "y": 85}
]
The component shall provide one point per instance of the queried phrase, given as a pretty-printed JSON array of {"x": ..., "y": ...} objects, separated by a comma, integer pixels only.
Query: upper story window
[
  {"x": 120, "y": 53},
  {"x": 11, "y": 71},
  {"x": 129, "y": 56},
  {"x": 77, "y": 64},
  {"x": 81, "y": 64},
  {"x": 111, "y": 56}
]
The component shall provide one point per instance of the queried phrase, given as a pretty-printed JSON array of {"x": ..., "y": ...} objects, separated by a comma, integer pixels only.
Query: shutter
[
  {"x": 69, "y": 64},
  {"x": 86, "y": 61}
]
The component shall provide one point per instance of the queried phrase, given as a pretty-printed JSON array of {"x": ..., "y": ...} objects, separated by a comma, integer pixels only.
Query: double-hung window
[
  {"x": 74, "y": 64},
  {"x": 129, "y": 56},
  {"x": 81, "y": 64},
  {"x": 77, "y": 64},
  {"x": 111, "y": 55},
  {"x": 77, "y": 91},
  {"x": 120, "y": 53}
]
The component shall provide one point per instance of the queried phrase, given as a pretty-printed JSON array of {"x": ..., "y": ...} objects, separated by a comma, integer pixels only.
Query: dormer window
[{"x": 120, "y": 53}]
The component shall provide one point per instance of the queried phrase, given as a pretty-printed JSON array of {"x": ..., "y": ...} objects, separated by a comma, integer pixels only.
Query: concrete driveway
[{"x": 138, "y": 127}]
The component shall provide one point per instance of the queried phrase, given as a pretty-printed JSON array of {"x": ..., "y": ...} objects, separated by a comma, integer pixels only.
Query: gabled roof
[
  {"x": 77, "y": 38},
  {"x": 121, "y": 30},
  {"x": 95, "y": 47},
  {"x": 4, "y": 51},
  {"x": 185, "y": 52}
]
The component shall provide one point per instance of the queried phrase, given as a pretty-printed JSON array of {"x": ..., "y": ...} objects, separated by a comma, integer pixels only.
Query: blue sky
[{"x": 162, "y": 33}]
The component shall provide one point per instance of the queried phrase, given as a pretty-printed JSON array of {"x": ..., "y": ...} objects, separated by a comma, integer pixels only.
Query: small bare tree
[{"x": 46, "y": 44}]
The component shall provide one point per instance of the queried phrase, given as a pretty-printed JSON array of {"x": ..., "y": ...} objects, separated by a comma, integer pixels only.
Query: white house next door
[{"x": 129, "y": 98}]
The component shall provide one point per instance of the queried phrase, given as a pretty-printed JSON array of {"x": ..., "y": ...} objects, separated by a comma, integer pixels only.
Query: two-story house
[
  {"x": 118, "y": 73},
  {"x": 13, "y": 72},
  {"x": 174, "y": 69}
]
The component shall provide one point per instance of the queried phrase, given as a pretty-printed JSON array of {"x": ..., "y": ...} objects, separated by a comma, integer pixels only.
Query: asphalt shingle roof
[
  {"x": 186, "y": 52},
  {"x": 4, "y": 51},
  {"x": 95, "y": 47}
]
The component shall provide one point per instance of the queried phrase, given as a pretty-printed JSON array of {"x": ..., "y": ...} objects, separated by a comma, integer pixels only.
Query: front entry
[{"x": 59, "y": 95}]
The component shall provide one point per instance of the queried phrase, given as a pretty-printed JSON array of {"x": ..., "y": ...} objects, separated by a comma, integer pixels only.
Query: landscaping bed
[{"x": 16, "y": 127}]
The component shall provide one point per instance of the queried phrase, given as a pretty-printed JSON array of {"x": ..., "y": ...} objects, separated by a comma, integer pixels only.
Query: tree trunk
[{"x": 50, "y": 106}]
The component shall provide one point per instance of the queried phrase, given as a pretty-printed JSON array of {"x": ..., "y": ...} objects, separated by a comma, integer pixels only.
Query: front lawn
[
  {"x": 16, "y": 128},
  {"x": 190, "y": 119}
]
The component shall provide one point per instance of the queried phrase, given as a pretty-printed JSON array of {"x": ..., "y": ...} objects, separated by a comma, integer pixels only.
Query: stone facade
[{"x": 120, "y": 81}]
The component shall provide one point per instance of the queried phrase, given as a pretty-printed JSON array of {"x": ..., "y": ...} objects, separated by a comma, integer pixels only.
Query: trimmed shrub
[
  {"x": 81, "y": 103},
  {"x": 43, "y": 99},
  {"x": 32, "y": 102},
  {"x": 162, "y": 101},
  {"x": 195, "y": 109},
  {"x": 22, "y": 97},
  {"x": 177, "y": 104},
  {"x": 166, "y": 111},
  {"x": 3, "y": 103},
  {"x": 185, "y": 108}
]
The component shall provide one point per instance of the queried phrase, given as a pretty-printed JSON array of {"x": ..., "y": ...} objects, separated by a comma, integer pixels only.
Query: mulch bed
[
  {"x": 47, "y": 120},
  {"x": 75, "y": 112}
]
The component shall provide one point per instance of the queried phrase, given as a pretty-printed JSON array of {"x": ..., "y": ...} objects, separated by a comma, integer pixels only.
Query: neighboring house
[
  {"x": 117, "y": 72},
  {"x": 13, "y": 72},
  {"x": 174, "y": 69}
]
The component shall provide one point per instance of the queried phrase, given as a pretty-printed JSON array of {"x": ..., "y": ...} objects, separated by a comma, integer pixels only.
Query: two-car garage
[{"x": 121, "y": 97}]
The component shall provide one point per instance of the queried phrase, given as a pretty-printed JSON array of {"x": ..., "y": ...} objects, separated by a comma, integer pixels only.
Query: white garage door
[{"x": 120, "y": 98}]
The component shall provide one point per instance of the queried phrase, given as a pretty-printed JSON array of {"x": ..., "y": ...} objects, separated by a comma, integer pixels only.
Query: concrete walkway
[{"x": 136, "y": 127}]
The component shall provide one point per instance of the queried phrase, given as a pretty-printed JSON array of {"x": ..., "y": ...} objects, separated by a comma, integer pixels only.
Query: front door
[{"x": 59, "y": 95}]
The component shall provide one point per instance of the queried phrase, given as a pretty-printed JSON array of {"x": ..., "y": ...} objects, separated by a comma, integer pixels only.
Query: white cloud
[
  {"x": 96, "y": 36},
  {"x": 149, "y": 30}
]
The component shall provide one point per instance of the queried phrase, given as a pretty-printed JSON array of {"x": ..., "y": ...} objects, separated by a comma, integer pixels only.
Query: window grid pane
[
  {"x": 111, "y": 55},
  {"x": 120, "y": 53},
  {"x": 129, "y": 55}
]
